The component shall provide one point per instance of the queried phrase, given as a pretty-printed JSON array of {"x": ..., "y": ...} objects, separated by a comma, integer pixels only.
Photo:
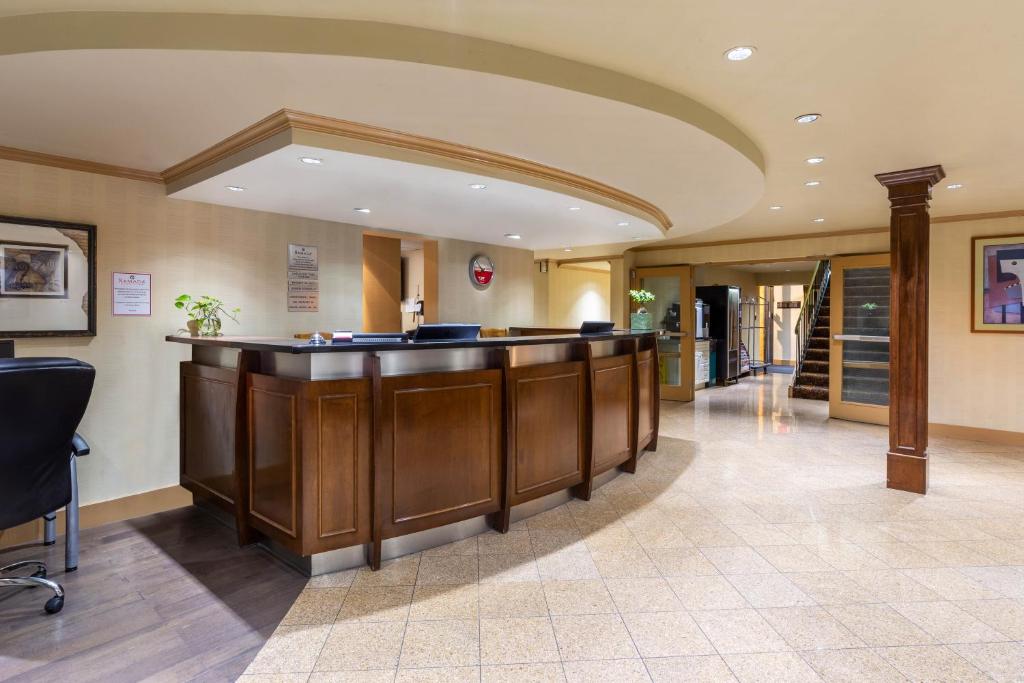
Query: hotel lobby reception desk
[{"x": 327, "y": 452}]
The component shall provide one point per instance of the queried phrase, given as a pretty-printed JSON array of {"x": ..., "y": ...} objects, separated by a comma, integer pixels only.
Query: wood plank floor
[{"x": 170, "y": 597}]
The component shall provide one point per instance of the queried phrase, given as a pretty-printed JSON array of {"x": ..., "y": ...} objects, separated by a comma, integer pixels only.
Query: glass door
[
  {"x": 859, "y": 346},
  {"x": 672, "y": 312}
]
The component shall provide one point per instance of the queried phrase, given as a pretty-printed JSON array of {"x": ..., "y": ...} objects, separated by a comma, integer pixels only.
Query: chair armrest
[{"x": 79, "y": 446}]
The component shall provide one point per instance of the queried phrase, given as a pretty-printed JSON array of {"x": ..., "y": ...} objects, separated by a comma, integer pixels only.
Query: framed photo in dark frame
[{"x": 47, "y": 278}]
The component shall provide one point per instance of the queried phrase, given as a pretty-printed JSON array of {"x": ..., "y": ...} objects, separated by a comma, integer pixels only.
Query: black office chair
[{"x": 42, "y": 400}]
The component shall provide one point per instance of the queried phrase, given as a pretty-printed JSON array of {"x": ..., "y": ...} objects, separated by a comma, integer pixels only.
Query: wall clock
[{"x": 481, "y": 271}]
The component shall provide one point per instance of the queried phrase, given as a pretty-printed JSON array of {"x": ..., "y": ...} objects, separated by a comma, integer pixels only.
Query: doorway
[
  {"x": 400, "y": 284},
  {"x": 672, "y": 311}
]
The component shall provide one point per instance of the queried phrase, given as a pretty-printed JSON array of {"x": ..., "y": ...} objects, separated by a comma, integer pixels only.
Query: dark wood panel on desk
[
  {"x": 440, "y": 455},
  {"x": 310, "y": 461},
  {"x": 547, "y": 440},
  {"x": 208, "y": 403},
  {"x": 612, "y": 410},
  {"x": 645, "y": 390}
]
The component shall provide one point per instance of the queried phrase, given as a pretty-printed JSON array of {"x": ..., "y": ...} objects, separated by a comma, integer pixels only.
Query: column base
[{"x": 906, "y": 472}]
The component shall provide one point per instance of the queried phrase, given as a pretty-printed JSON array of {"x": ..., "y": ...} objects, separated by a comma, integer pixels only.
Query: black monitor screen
[
  {"x": 446, "y": 332},
  {"x": 596, "y": 327}
]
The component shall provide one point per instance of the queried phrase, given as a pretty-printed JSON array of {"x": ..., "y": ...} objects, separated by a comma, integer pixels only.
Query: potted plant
[
  {"x": 204, "y": 314},
  {"x": 641, "y": 319}
]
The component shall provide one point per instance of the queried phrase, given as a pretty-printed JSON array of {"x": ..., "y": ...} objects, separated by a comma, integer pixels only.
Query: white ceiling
[
  {"x": 777, "y": 267},
  {"x": 413, "y": 198}
]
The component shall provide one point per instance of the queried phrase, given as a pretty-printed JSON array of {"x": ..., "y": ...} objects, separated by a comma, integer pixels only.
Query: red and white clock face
[{"x": 481, "y": 271}]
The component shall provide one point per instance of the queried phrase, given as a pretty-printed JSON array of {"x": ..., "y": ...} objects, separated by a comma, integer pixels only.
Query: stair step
[
  {"x": 813, "y": 393},
  {"x": 815, "y": 379},
  {"x": 821, "y": 355}
]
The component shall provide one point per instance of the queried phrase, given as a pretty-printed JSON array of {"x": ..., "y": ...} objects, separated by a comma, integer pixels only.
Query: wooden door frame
[
  {"x": 837, "y": 408},
  {"x": 687, "y": 323}
]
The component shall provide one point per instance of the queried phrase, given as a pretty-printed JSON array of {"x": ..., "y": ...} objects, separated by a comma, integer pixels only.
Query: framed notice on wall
[
  {"x": 47, "y": 278},
  {"x": 131, "y": 294},
  {"x": 303, "y": 279}
]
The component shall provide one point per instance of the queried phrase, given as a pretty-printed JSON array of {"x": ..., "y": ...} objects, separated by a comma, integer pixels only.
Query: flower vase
[{"x": 640, "y": 320}]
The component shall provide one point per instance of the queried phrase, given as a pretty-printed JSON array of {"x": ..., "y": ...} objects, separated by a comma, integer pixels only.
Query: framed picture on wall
[
  {"x": 47, "y": 278},
  {"x": 997, "y": 274}
]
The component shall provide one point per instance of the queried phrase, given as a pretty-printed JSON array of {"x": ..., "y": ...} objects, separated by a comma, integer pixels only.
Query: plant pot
[
  {"x": 193, "y": 328},
  {"x": 641, "y": 320},
  {"x": 209, "y": 327}
]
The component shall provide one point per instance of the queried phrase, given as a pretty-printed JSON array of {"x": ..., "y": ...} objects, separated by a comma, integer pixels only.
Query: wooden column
[{"x": 909, "y": 192}]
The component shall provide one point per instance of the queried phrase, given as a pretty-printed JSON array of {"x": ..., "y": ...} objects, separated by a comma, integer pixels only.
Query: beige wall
[
  {"x": 540, "y": 294},
  {"x": 797, "y": 249},
  {"x": 784, "y": 323},
  {"x": 507, "y": 302},
  {"x": 785, "y": 278},
  {"x": 719, "y": 275},
  {"x": 974, "y": 378},
  {"x": 575, "y": 295}
]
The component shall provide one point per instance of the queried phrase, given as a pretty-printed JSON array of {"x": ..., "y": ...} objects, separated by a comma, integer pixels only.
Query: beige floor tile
[
  {"x": 793, "y": 558},
  {"x": 547, "y": 541},
  {"x": 511, "y": 543},
  {"x": 950, "y": 584},
  {"x": 315, "y": 606},
  {"x": 368, "y": 676},
  {"x": 762, "y": 534},
  {"x": 442, "y": 674},
  {"x": 932, "y": 663},
  {"x": 666, "y": 634},
  {"x": 549, "y": 672},
  {"x": 358, "y": 645},
  {"x": 592, "y": 636},
  {"x": 386, "y": 603},
  {"x": 512, "y": 599},
  {"x": 770, "y": 668},
  {"x": 567, "y": 566},
  {"x": 623, "y": 564},
  {"x": 274, "y": 678},
  {"x": 738, "y": 560},
  {"x": 879, "y": 625},
  {"x": 466, "y": 546},
  {"x": 947, "y": 622},
  {"x": 901, "y": 555},
  {"x": 852, "y": 666},
  {"x": 517, "y": 640},
  {"x": 769, "y": 590},
  {"x": 892, "y": 585},
  {"x": 710, "y": 535},
  {"x": 611, "y": 537},
  {"x": 446, "y": 601},
  {"x": 739, "y": 631},
  {"x": 398, "y": 572},
  {"x": 1004, "y": 662},
  {"x": 1007, "y": 581},
  {"x": 706, "y": 592},
  {"x": 848, "y": 556},
  {"x": 618, "y": 670},
  {"x": 643, "y": 595},
  {"x": 661, "y": 535},
  {"x": 702, "y": 669},
  {"x": 441, "y": 643},
  {"x": 290, "y": 649},
  {"x": 1001, "y": 551},
  {"x": 811, "y": 533},
  {"x": 810, "y": 628},
  {"x": 587, "y": 596},
  {"x": 954, "y": 553},
  {"x": 831, "y": 588},
  {"x": 1005, "y": 616},
  {"x": 508, "y": 567},
  {"x": 342, "y": 579},
  {"x": 555, "y": 518},
  {"x": 443, "y": 569},
  {"x": 681, "y": 561}
]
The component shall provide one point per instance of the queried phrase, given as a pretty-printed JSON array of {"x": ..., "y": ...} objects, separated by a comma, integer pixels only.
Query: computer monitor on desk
[
  {"x": 6, "y": 348},
  {"x": 446, "y": 332},
  {"x": 596, "y": 327}
]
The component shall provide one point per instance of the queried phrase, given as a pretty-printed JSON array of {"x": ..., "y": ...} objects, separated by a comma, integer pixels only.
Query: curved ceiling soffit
[{"x": 262, "y": 33}]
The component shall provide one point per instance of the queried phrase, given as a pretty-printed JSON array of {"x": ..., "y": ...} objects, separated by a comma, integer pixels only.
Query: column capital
[{"x": 926, "y": 174}]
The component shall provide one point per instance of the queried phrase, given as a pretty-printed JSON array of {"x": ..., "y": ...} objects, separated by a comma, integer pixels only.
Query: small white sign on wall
[{"x": 132, "y": 294}]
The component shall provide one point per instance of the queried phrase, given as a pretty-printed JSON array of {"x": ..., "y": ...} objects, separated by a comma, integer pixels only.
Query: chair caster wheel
[
  {"x": 39, "y": 573},
  {"x": 54, "y": 604}
]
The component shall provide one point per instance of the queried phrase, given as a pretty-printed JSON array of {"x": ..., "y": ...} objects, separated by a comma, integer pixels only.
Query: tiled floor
[{"x": 758, "y": 543}]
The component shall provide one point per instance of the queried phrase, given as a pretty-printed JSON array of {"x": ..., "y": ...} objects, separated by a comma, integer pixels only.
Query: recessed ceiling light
[
  {"x": 513, "y": 236},
  {"x": 360, "y": 210},
  {"x": 812, "y": 183},
  {"x": 312, "y": 161},
  {"x": 807, "y": 118},
  {"x": 567, "y": 249},
  {"x": 623, "y": 224},
  {"x": 236, "y": 188},
  {"x": 635, "y": 238},
  {"x": 954, "y": 186},
  {"x": 575, "y": 208},
  {"x": 819, "y": 220},
  {"x": 777, "y": 207},
  {"x": 478, "y": 186},
  {"x": 739, "y": 53},
  {"x": 814, "y": 161}
]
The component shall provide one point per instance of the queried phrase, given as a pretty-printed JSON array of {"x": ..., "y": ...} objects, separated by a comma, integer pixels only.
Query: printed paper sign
[{"x": 132, "y": 294}]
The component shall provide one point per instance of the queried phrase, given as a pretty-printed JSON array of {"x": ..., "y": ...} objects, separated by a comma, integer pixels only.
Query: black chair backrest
[{"x": 42, "y": 400}]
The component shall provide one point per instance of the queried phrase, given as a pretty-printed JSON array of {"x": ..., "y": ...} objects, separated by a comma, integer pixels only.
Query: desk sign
[
  {"x": 303, "y": 279},
  {"x": 132, "y": 294}
]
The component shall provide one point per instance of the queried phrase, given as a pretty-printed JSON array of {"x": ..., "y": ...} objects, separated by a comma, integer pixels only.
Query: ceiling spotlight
[
  {"x": 575, "y": 208},
  {"x": 814, "y": 161},
  {"x": 478, "y": 186},
  {"x": 739, "y": 53},
  {"x": 236, "y": 188},
  {"x": 812, "y": 183},
  {"x": 513, "y": 236},
  {"x": 819, "y": 220},
  {"x": 567, "y": 249},
  {"x": 312, "y": 161},
  {"x": 808, "y": 118},
  {"x": 777, "y": 207},
  {"x": 637, "y": 238},
  {"x": 360, "y": 210},
  {"x": 954, "y": 186},
  {"x": 623, "y": 224}
]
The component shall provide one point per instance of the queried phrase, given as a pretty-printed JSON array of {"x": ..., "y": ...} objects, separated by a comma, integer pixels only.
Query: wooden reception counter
[{"x": 329, "y": 451}]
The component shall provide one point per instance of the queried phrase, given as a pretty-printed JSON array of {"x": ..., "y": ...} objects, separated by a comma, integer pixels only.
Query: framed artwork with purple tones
[{"x": 997, "y": 273}]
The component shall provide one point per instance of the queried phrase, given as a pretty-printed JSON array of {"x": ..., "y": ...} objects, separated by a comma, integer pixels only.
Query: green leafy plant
[
  {"x": 869, "y": 306},
  {"x": 641, "y": 296},
  {"x": 204, "y": 313}
]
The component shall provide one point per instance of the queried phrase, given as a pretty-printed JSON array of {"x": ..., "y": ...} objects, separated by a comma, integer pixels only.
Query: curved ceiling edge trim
[{"x": 344, "y": 37}]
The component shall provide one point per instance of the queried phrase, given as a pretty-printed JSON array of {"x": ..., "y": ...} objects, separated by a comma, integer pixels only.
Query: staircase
[{"x": 811, "y": 379}]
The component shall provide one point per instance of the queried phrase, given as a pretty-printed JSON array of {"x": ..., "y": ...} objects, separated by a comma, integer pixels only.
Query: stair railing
[{"x": 809, "y": 310}]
